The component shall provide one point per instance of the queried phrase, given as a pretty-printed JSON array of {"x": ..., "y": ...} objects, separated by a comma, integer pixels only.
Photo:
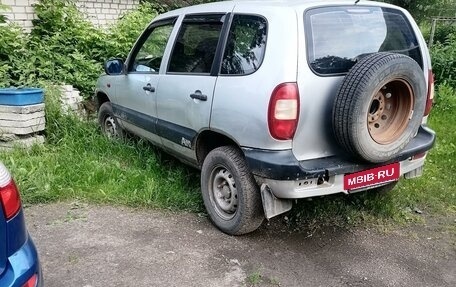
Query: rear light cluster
[
  {"x": 430, "y": 94},
  {"x": 283, "y": 112},
  {"x": 31, "y": 282},
  {"x": 9, "y": 194}
]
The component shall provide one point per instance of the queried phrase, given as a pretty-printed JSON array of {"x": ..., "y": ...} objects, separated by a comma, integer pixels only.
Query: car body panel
[
  {"x": 136, "y": 106},
  {"x": 294, "y": 189},
  {"x": 3, "y": 257},
  {"x": 22, "y": 265},
  {"x": 18, "y": 255},
  {"x": 314, "y": 137},
  {"x": 181, "y": 117},
  {"x": 132, "y": 104},
  {"x": 248, "y": 121}
]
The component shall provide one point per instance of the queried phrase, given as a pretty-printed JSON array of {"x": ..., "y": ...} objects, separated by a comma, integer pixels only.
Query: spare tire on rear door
[{"x": 379, "y": 107}]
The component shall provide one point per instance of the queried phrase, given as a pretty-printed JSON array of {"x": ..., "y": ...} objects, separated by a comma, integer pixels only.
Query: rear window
[{"x": 338, "y": 37}]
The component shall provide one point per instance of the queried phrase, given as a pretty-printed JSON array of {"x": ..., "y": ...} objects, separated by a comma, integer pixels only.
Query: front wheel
[
  {"x": 231, "y": 195},
  {"x": 108, "y": 122}
]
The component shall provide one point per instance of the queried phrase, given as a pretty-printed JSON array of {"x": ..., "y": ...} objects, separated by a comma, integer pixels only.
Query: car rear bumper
[
  {"x": 294, "y": 189},
  {"x": 289, "y": 178},
  {"x": 22, "y": 265}
]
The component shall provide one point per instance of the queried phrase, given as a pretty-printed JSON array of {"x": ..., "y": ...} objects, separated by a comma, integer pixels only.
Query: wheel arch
[
  {"x": 100, "y": 98},
  {"x": 208, "y": 140}
]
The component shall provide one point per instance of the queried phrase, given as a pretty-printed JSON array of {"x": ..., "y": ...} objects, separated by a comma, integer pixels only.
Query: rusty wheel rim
[{"x": 390, "y": 111}]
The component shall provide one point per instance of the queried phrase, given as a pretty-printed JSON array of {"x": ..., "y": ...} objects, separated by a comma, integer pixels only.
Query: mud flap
[{"x": 272, "y": 205}]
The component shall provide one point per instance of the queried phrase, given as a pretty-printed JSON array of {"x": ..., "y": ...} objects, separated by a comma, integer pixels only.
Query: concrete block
[
  {"x": 66, "y": 88},
  {"x": 18, "y": 9},
  {"x": 20, "y": 16},
  {"x": 8, "y": 137},
  {"x": 25, "y": 142},
  {"x": 23, "y": 130},
  {"x": 21, "y": 124},
  {"x": 8, "y": 2},
  {"x": 21, "y": 117},
  {"x": 72, "y": 100},
  {"x": 21, "y": 120},
  {"x": 22, "y": 109},
  {"x": 22, "y": 3}
]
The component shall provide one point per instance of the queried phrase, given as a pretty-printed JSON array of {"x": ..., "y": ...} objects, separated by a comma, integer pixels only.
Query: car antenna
[{"x": 356, "y": 2}]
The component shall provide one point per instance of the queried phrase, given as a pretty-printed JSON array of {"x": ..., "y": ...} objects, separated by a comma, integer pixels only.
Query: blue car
[{"x": 19, "y": 263}]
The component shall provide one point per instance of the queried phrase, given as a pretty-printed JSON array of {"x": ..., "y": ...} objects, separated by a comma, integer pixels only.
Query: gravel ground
[{"x": 88, "y": 245}]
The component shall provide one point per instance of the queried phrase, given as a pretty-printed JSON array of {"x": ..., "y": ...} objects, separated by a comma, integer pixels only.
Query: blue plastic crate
[{"x": 21, "y": 96}]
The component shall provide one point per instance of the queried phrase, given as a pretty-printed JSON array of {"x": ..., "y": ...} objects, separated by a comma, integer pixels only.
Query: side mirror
[{"x": 114, "y": 66}]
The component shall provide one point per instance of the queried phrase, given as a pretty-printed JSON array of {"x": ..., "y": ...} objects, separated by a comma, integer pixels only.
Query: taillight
[
  {"x": 9, "y": 194},
  {"x": 430, "y": 94},
  {"x": 283, "y": 111},
  {"x": 31, "y": 282}
]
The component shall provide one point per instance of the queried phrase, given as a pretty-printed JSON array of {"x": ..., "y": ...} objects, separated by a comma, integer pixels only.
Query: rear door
[
  {"x": 184, "y": 96},
  {"x": 332, "y": 40}
]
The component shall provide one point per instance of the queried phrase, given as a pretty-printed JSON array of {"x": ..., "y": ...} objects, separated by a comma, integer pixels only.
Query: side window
[
  {"x": 246, "y": 45},
  {"x": 195, "y": 46},
  {"x": 148, "y": 58}
]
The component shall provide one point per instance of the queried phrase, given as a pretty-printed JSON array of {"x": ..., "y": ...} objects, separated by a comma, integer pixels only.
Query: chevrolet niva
[{"x": 277, "y": 100}]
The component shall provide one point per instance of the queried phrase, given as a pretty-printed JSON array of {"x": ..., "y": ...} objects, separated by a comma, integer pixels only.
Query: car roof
[{"x": 225, "y": 6}]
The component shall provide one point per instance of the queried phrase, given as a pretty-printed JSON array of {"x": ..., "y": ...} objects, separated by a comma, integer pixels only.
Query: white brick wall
[{"x": 100, "y": 12}]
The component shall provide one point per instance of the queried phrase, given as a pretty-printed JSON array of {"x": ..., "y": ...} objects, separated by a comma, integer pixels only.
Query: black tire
[
  {"x": 108, "y": 122},
  {"x": 237, "y": 209},
  {"x": 379, "y": 107}
]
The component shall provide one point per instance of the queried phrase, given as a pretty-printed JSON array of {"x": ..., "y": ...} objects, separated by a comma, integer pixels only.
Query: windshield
[{"x": 339, "y": 36}]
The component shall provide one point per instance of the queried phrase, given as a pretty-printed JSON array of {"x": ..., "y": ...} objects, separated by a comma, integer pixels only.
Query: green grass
[
  {"x": 78, "y": 163},
  {"x": 85, "y": 165}
]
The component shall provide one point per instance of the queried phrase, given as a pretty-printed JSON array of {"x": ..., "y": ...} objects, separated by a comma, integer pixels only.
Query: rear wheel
[{"x": 231, "y": 195}]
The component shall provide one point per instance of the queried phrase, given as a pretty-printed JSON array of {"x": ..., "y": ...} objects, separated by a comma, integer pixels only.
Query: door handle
[
  {"x": 198, "y": 96},
  {"x": 149, "y": 88}
]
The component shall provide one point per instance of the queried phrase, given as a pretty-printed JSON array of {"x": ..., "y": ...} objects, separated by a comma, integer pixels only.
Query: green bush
[
  {"x": 12, "y": 57},
  {"x": 443, "y": 33},
  {"x": 64, "y": 47},
  {"x": 124, "y": 34},
  {"x": 445, "y": 101},
  {"x": 444, "y": 61}
]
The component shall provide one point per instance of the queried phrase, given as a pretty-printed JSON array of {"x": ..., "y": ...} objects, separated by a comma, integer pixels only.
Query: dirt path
[{"x": 107, "y": 246}]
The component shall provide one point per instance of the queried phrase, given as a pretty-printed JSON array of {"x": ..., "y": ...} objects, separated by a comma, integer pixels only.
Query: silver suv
[{"x": 277, "y": 100}]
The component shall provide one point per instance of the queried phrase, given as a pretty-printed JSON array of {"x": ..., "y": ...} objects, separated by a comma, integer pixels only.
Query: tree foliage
[
  {"x": 423, "y": 9},
  {"x": 64, "y": 47}
]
